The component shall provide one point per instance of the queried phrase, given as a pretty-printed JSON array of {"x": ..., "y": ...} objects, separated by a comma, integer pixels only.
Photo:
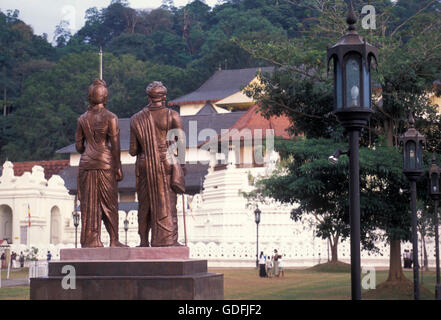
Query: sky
[{"x": 45, "y": 15}]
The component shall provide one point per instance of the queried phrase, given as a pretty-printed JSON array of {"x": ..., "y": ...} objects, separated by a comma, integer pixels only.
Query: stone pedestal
[{"x": 129, "y": 274}]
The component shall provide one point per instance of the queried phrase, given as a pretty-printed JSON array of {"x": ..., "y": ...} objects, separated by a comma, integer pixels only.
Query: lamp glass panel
[
  {"x": 257, "y": 216},
  {"x": 366, "y": 86},
  {"x": 353, "y": 81},
  {"x": 338, "y": 76},
  {"x": 411, "y": 155},
  {"x": 419, "y": 153},
  {"x": 434, "y": 182}
]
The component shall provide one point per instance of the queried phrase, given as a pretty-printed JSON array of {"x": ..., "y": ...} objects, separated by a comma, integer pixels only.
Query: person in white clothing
[
  {"x": 262, "y": 271},
  {"x": 269, "y": 267},
  {"x": 281, "y": 272}
]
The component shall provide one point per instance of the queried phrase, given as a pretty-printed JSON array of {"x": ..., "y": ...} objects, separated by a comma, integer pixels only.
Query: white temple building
[{"x": 219, "y": 223}]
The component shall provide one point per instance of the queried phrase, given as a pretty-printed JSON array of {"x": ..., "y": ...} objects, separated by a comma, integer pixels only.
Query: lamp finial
[
  {"x": 351, "y": 18},
  {"x": 411, "y": 120}
]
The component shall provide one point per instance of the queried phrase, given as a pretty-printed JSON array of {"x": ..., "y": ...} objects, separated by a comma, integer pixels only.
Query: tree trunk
[
  {"x": 389, "y": 132},
  {"x": 334, "y": 249},
  {"x": 426, "y": 260},
  {"x": 395, "y": 268},
  {"x": 4, "y": 102}
]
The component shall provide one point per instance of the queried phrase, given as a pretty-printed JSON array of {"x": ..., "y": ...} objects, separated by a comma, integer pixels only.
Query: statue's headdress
[
  {"x": 156, "y": 91},
  {"x": 98, "y": 92}
]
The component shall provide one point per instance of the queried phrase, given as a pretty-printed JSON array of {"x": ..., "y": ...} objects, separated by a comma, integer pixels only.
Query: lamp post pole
[
  {"x": 416, "y": 284},
  {"x": 434, "y": 191},
  {"x": 436, "y": 223},
  {"x": 76, "y": 218},
  {"x": 412, "y": 142},
  {"x": 126, "y": 226},
  {"x": 352, "y": 57},
  {"x": 257, "y": 245},
  {"x": 76, "y": 237},
  {"x": 257, "y": 213},
  {"x": 354, "y": 209}
]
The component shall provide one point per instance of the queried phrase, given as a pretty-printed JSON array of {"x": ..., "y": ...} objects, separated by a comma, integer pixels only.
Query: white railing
[{"x": 38, "y": 269}]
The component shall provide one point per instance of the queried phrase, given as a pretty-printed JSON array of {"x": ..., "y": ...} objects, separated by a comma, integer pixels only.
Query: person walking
[
  {"x": 22, "y": 259},
  {"x": 3, "y": 259},
  {"x": 269, "y": 266},
  {"x": 276, "y": 263},
  {"x": 13, "y": 257},
  {"x": 281, "y": 272},
  {"x": 49, "y": 256},
  {"x": 262, "y": 272}
]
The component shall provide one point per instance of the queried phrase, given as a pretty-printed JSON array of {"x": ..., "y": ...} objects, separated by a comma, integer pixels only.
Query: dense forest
[
  {"x": 44, "y": 85},
  {"x": 43, "y": 82}
]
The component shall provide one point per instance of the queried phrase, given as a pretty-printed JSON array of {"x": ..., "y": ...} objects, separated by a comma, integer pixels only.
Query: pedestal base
[{"x": 145, "y": 274}]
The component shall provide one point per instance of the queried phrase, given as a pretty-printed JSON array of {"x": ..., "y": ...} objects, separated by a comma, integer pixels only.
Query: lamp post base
[{"x": 437, "y": 292}]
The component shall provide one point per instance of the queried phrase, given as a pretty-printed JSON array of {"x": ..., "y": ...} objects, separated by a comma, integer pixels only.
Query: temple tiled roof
[
  {"x": 215, "y": 121},
  {"x": 252, "y": 120},
  {"x": 220, "y": 85},
  {"x": 193, "y": 179},
  {"x": 51, "y": 167}
]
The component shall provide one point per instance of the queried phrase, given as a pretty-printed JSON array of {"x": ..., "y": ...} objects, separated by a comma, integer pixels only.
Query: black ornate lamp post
[
  {"x": 435, "y": 194},
  {"x": 126, "y": 226},
  {"x": 412, "y": 142},
  {"x": 257, "y": 213},
  {"x": 352, "y": 57},
  {"x": 76, "y": 221}
]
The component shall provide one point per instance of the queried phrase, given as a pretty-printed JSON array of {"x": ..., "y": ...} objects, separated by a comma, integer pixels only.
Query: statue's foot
[
  {"x": 116, "y": 243},
  {"x": 144, "y": 244},
  {"x": 175, "y": 244},
  {"x": 94, "y": 244}
]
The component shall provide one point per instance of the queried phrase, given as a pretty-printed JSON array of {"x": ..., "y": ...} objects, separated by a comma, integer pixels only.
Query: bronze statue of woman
[{"x": 97, "y": 140}]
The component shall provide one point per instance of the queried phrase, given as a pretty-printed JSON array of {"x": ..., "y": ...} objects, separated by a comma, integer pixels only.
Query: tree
[
  {"x": 46, "y": 112},
  {"x": 306, "y": 178},
  {"x": 62, "y": 33},
  {"x": 408, "y": 65}
]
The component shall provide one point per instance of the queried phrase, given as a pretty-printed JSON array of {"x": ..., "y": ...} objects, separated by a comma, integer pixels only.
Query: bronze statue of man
[
  {"x": 97, "y": 140},
  {"x": 159, "y": 176}
]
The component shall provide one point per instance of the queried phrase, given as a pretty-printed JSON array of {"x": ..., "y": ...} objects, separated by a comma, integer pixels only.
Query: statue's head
[
  {"x": 156, "y": 91},
  {"x": 98, "y": 92}
]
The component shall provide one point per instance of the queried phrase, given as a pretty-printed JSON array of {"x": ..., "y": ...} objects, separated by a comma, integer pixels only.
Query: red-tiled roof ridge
[
  {"x": 253, "y": 119},
  {"x": 50, "y": 167}
]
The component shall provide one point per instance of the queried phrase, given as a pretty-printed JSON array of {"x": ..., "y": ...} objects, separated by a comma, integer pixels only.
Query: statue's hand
[
  {"x": 119, "y": 174},
  {"x": 184, "y": 169}
]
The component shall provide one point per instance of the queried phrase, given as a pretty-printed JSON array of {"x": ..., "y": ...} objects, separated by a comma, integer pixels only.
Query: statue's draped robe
[
  {"x": 157, "y": 201},
  {"x": 97, "y": 185}
]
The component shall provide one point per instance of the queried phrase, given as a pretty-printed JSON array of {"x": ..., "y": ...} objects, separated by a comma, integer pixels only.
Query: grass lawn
[
  {"x": 14, "y": 293},
  {"x": 15, "y": 273},
  {"x": 319, "y": 282},
  {"x": 309, "y": 284}
]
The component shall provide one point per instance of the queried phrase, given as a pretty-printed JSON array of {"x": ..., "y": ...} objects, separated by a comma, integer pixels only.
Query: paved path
[{"x": 15, "y": 282}]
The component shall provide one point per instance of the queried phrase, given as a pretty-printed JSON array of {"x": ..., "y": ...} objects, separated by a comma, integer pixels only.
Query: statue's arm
[
  {"x": 79, "y": 138},
  {"x": 177, "y": 124},
  {"x": 134, "y": 148},
  {"x": 115, "y": 145}
]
